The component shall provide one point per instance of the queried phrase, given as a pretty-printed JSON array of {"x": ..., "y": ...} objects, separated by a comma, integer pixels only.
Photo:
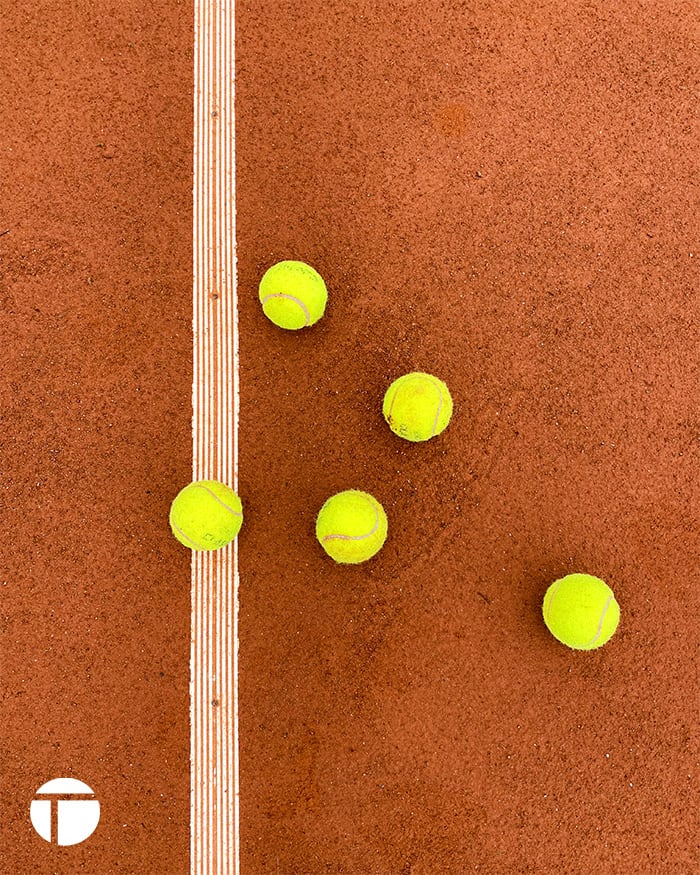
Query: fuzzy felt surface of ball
[
  {"x": 206, "y": 515},
  {"x": 581, "y": 611},
  {"x": 351, "y": 526},
  {"x": 293, "y": 295},
  {"x": 417, "y": 406}
]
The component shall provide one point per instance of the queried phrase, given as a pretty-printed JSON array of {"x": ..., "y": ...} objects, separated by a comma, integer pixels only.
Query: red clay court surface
[{"x": 503, "y": 194}]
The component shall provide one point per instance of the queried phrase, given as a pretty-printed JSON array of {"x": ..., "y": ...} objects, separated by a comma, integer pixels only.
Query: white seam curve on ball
[
  {"x": 189, "y": 541},
  {"x": 549, "y": 598},
  {"x": 355, "y": 537},
  {"x": 222, "y": 503},
  {"x": 307, "y": 315},
  {"x": 600, "y": 624}
]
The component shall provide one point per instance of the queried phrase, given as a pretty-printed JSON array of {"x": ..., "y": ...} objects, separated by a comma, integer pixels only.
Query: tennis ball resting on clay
[
  {"x": 206, "y": 515},
  {"x": 581, "y": 611},
  {"x": 417, "y": 406},
  {"x": 351, "y": 526},
  {"x": 293, "y": 295}
]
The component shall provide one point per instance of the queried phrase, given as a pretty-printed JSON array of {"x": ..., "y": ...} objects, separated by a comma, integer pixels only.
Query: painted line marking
[{"x": 215, "y": 789}]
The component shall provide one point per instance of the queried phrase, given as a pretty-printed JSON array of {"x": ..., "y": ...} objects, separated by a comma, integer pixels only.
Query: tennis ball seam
[
  {"x": 601, "y": 622},
  {"x": 218, "y": 499},
  {"x": 341, "y": 537},
  {"x": 185, "y": 539},
  {"x": 548, "y": 598},
  {"x": 294, "y": 300}
]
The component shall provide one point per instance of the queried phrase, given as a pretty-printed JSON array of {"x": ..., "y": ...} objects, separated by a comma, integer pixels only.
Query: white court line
[{"x": 214, "y": 805}]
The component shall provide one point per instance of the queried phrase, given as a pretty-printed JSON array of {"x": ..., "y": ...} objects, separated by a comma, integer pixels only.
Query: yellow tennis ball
[
  {"x": 206, "y": 515},
  {"x": 417, "y": 406},
  {"x": 580, "y": 611},
  {"x": 351, "y": 526},
  {"x": 293, "y": 295}
]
